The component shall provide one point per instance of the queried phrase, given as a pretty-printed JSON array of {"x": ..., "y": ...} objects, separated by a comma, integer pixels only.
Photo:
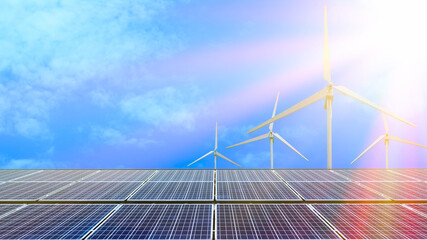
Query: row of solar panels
[
  {"x": 196, "y": 221},
  {"x": 359, "y": 175},
  {"x": 231, "y": 185}
]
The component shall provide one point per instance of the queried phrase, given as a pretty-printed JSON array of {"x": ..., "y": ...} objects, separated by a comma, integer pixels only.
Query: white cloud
[
  {"x": 114, "y": 137},
  {"x": 28, "y": 163},
  {"x": 165, "y": 106}
]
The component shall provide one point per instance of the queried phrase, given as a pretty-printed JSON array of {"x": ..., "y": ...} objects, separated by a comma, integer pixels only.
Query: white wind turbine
[
  {"x": 215, "y": 152},
  {"x": 270, "y": 135},
  {"x": 387, "y": 137},
  {"x": 327, "y": 93}
]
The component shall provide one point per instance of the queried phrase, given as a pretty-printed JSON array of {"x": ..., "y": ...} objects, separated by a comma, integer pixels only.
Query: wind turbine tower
[{"x": 271, "y": 135}]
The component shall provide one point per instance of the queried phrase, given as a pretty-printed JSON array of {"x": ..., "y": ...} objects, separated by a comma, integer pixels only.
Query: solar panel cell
[
  {"x": 270, "y": 221},
  {"x": 120, "y": 176},
  {"x": 6, "y": 208},
  {"x": 369, "y": 175},
  {"x": 27, "y": 191},
  {"x": 310, "y": 176},
  {"x": 374, "y": 221},
  {"x": 174, "y": 191},
  {"x": 246, "y": 176},
  {"x": 144, "y": 221},
  {"x": 421, "y": 208},
  {"x": 57, "y": 176},
  {"x": 419, "y": 174},
  {"x": 94, "y": 191},
  {"x": 8, "y": 175},
  {"x": 47, "y": 221},
  {"x": 183, "y": 175},
  {"x": 400, "y": 190},
  {"x": 254, "y": 191},
  {"x": 334, "y": 191}
]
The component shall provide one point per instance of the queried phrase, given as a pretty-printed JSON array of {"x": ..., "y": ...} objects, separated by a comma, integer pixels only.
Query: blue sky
[{"x": 140, "y": 84}]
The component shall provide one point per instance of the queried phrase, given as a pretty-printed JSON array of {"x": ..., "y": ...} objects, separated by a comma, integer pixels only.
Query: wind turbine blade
[
  {"x": 289, "y": 145},
  {"x": 250, "y": 140},
  {"x": 347, "y": 92},
  {"x": 219, "y": 154},
  {"x": 274, "y": 111},
  {"x": 304, "y": 103},
  {"x": 406, "y": 141},
  {"x": 207, "y": 154},
  {"x": 369, "y": 148},
  {"x": 216, "y": 136},
  {"x": 326, "y": 63}
]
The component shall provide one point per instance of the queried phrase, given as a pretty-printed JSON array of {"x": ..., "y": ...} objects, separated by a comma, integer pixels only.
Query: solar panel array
[{"x": 247, "y": 204}]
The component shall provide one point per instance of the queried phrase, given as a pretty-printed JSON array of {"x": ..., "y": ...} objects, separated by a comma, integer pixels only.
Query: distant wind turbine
[
  {"x": 327, "y": 93},
  {"x": 215, "y": 152},
  {"x": 387, "y": 137},
  {"x": 270, "y": 135}
]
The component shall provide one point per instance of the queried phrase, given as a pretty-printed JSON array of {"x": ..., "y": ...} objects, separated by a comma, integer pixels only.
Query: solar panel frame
[
  {"x": 373, "y": 221},
  {"x": 246, "y": 176},
  {"x": 183, "y": 176},
  {"x": 124, "y": 175},
  {"x": 28, "y": 191},
  {"x": 142, "y": 222},
  {"x": 94, "y": 191},
  {"x": 404, "y": 191},
  {"x": 373, "y": 175},
  {"x": 249, "y": 191},
  {"x": 158, "y": 191},
  {"x": 309, "y": 175},
  {"x": 318, "y": 191},
  {"x": 53, "y": 221},
  {"x": 10, "y": 175},
  {"x": 57, "y": 176},
  {"x": 270, "y": 221}
]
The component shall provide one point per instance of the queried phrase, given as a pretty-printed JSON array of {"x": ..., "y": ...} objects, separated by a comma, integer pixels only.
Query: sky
[{"x": 141, "y": 84}]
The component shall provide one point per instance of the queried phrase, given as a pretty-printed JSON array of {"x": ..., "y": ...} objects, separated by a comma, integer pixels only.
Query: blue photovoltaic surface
[
  {"x": 29, "y": 191},
  {"x": 183, "y": 176},
  {"x": 270, "y": 221},
  {"x": 120, "y": 176},
  {"x": 162, "y": 221},
  {"x": 201, "y": 191},
  {"x": 48, "y": 221},
  {"x": 256, "y": 191}
]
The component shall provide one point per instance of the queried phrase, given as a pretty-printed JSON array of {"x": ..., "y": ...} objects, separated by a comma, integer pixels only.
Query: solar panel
[
  {"x": 334, "y": 191},
  {"x": 419, "y": 174},
  {"x": 161, "y": 191},
  {"x": 27, "y": 191},
  {"x": 6, "y": 208},
  {"x": 375, "y": 175},
  {"x": 120, "y": 176},
  {"x": 48, "y": 221},
  {"x": 374, "y": 221},
  {"x": 421, "y": 208},
  {"x": 183, "y": 175},
  {"x": 310, "y": 176},
  {"x": 270, "y": 221},
  {"x": 7, "y": 175},
  {"x": 98, "y": 191},
  {"x": 246, "y": 176},
  {"x": 254, "y": 191},
  {"x": 400, "y": 190},
  {"x": 57, "y": 176},
  {"x": 161, "y": 221}
]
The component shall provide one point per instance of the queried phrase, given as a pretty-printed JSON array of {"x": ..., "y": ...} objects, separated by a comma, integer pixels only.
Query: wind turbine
[
  {"x": 387, "y": 137},
  {"x": 327, "y": 93},
  {"x": 270, "y": 135},
  {"x": 215, "y": 152}
]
